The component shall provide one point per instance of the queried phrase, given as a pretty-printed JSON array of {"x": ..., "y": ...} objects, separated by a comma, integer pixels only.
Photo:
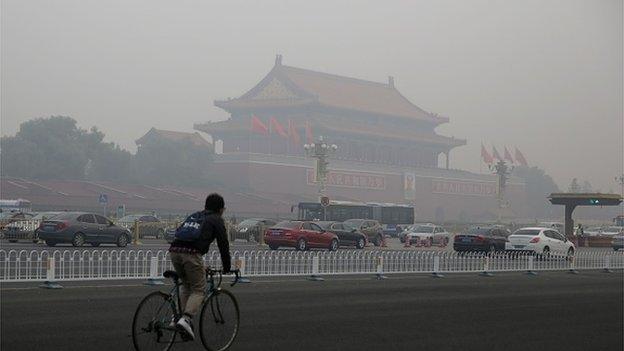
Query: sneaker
[{"x": 185, "y": 326}]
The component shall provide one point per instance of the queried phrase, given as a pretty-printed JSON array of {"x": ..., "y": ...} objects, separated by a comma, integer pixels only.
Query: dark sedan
[
  {"x": 347, "y": 236},
  {"x": 79, "y": 228},
  {"x": 488, "y": 239},
  {"x": 251, "y": 228}
]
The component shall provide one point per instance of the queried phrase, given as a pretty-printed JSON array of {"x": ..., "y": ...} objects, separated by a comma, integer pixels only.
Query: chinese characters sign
[
  {"x": 463, "y": 188},
  {"x": 351, "y": 180}
]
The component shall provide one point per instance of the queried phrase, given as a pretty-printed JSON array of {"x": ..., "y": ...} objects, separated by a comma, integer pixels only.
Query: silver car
[{"x": 79, "y": 228}]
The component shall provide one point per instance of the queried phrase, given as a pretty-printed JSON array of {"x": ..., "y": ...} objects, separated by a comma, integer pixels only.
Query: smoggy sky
[{"x": 543, "y": 75}]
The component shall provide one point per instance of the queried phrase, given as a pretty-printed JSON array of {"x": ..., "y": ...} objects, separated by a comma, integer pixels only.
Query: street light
[
  {"x": 502, "y": 172},
  {"x": 321, "y": 151}
]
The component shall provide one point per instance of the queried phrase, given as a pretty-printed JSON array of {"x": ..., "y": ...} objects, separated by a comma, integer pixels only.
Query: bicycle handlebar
[{"x": 211, "y": 272}]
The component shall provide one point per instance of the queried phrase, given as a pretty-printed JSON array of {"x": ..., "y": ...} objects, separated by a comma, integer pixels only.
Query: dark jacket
[{"x": 213, "y": 228}]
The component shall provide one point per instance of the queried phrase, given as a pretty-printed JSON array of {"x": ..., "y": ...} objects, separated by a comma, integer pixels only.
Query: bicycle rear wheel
[
  {"x": 150, "y": 326},
  {"x": 219, "y": 321}
]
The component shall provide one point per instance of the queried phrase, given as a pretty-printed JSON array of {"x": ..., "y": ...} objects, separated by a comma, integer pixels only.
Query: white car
[
  {"x": 540, "y": 240},
  {"x": 428, "y": 234},
  {"x": 592, "y": 231}
]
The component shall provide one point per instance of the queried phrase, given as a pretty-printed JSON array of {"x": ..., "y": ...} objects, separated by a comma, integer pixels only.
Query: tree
[
  {"x": 168, "y": 162},
  {"x": 587, "y": 187},
  {"x": 55, "y": 148},
  {"x": 574, "y": 187},
  {"x": 538, "y": 186}
]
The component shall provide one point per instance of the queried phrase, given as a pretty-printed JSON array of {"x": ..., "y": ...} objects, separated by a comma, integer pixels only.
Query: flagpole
[
  {"x": 250, "y": 130},
  {"x": 270, "y": 135},
  {"x": 288, "y": 141}
]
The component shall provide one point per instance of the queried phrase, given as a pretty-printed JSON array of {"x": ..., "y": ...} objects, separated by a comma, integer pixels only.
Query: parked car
[
  {"x": 592, "y": 231},
  {"x": 9, "y": 217},
  {"x": 428, "y": 234},
  {"x": 79, "y": 228},
  {"x": 540, "y": 240},
  {"x": 488, "y": 239},
  {"x": 347, "y": 236},
  {"x": 410, "y": 229},
  {"x": 612, "y": 230},
  {"x": 170, "y": 235},
  {"x": 393, "y": 230},
  {"x": 18, "y": 225},
  {"x": 558, "y": 226},
  {"x": 148, "y": 225},
  {"x": 370, "y": 227},
  {"x": 250, "y": 228},
  {"x": 302, "y": 235},
  {"x": 617, "y": 242}
]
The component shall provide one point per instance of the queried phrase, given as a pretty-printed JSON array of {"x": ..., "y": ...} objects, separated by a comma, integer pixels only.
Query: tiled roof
[
  {"x": 342, "y": 128},
  {"x": 311, "y": 87},
  {"x": 194, "y": 137},
  {"x": 354, "y": 94}
]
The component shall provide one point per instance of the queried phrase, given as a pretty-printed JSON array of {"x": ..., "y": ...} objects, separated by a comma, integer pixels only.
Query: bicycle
[{"x": 154, "y": 322}]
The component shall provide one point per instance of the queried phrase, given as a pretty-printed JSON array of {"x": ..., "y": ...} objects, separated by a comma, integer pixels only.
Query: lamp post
[
  {"x": 321, "y": 151},
  {"x": 502, "y": 172},
  {"x": 620, "y": 180}
]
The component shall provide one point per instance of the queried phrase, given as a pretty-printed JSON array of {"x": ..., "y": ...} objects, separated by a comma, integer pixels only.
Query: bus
[
  {"x": 389, "y": 215},
  {"x": 19, "y": 205}
]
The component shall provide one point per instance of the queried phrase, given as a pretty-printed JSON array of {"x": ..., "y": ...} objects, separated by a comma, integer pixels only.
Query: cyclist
[{"x": 186, "y": 257}]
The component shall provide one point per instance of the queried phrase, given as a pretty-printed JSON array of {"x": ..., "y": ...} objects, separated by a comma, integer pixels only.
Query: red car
[{"x": 302, "y": 235}]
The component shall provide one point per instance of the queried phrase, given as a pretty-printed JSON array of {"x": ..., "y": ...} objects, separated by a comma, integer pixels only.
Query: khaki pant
[{"x": 190, "y": 268}]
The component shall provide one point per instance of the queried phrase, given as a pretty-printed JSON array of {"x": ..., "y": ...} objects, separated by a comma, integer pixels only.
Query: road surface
[{"x": 512, "y": 311}]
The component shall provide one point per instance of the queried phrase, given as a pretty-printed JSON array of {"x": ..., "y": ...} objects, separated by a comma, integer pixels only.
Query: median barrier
[{"x": 76, "y": 265}]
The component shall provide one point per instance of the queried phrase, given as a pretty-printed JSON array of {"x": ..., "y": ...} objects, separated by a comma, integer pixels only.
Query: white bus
[{"x": 19, "y": 205}]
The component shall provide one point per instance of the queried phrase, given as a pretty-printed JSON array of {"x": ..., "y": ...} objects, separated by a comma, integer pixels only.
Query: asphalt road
[{"x": 551, "y": 311}]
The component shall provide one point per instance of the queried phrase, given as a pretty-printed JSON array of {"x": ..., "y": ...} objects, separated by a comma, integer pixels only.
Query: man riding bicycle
[{"x": 186, "y": 257}]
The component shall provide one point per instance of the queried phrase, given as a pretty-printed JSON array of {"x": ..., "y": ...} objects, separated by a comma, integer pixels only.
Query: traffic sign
[
  {"x": 103, "y": 199},
  {"x": 324, "y": 201}
]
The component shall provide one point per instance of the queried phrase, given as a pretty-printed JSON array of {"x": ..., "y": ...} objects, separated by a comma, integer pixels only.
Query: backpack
[{"x": 191, "y": 229}]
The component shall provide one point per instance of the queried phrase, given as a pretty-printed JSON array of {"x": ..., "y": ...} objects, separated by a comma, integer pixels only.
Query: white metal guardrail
[{"x": 72, "y": 265}]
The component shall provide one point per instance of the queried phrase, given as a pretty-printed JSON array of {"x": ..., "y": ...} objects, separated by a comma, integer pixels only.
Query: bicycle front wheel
[
  {"x": 219, "y": 321},
  {"x": 151, "y": 328}
]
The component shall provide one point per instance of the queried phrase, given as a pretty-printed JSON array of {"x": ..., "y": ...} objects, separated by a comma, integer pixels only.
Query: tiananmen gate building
[{"x": 388, "y": 149}]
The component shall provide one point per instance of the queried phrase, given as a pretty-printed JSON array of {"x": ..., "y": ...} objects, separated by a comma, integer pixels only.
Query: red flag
[
  {"x": 294, "y": 136},
  {"x": 278, "y": 127},
  {"x": 496, "y": 154},
  {"x": 308, "y": 131},
  {"x": 487, "y": 158},
  {"x": 520, "y": 158},
  {"x": 257, "y": 126},
  {"x": 508, "y": 156}
]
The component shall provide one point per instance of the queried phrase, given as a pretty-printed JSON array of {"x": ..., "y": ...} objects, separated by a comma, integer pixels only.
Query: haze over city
[{"x": 543, "y": 76}]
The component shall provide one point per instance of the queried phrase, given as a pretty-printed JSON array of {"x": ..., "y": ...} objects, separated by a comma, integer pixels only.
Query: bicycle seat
[{"x": 170, "y": 274}]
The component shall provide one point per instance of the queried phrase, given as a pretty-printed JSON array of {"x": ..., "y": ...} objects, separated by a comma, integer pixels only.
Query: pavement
[{"x": 511, "y": 311}]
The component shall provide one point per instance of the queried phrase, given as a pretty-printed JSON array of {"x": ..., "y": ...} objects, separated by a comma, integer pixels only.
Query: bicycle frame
[{"x": 212, "y": 286}]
